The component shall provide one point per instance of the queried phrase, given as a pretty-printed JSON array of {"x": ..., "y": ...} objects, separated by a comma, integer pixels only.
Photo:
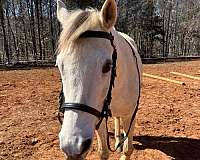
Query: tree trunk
[
  {"x": 16, "y": 41},
  {"x": 168, "y": 31},
  {"x": 26, "y": 41},
  {"x": 4, "y": 34},
  {"x": 42, "y": 35},
  {"x": 51, "y": 25},
  {"x": 163, "y": 40},
  {"x": 38, "y": 27},
  {"x": 32, "y": 26},
  {"x": 12, "y": 33}
]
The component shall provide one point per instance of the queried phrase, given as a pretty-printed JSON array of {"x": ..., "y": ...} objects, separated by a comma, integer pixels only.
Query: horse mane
[{"x": 76, "y": 23}]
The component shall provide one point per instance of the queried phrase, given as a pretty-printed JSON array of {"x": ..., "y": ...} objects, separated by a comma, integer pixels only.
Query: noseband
[{"x": 106, "y": 112}]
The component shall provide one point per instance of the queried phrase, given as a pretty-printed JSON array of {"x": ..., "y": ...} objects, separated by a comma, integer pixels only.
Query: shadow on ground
[{"x": 178, "y": 148}]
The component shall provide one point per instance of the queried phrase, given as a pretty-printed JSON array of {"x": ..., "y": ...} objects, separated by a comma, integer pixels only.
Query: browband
[{"x": 97, "y": 34}]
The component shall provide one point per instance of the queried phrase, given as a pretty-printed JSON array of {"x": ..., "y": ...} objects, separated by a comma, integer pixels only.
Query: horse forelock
[{"x": 78, "y": 22}]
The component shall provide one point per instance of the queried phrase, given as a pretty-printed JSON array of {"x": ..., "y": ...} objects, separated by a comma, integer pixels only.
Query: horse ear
[
  {"x": 62, "y": 12},
  {"x": 109, "y": 14}
]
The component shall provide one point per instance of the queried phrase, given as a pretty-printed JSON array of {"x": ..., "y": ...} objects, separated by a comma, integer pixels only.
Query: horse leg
[
  {"x": 128, "y": 146},
  {"x": 117, "y": 134},
  {"x": 102, "y": 141}
]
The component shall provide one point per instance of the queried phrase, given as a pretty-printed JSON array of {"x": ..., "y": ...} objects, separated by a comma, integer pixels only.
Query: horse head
[{"x": 85, "y": 66}]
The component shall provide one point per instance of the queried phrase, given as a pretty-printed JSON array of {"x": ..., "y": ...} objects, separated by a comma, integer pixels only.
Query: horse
[{"x": 101, "y": 74}]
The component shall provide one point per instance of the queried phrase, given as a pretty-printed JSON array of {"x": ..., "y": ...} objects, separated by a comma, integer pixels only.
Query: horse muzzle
[{"x": 76, "y": 151}]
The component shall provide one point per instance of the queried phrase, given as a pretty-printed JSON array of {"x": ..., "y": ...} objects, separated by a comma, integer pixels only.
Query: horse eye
[{"x": 107, "y": 66}]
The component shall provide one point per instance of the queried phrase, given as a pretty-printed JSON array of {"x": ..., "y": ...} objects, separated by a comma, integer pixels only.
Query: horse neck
[{"x": 126, "y": 84}]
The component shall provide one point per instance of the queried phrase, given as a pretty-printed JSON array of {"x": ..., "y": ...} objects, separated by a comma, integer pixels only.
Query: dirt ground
[{"x": 167, "y": 127}]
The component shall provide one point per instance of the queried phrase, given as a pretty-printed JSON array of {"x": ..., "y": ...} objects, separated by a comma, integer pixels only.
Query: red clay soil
[{"x": 167, "y": 127}]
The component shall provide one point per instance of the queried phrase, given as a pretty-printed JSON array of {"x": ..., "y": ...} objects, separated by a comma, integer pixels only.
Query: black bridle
[{"x": 106, "y": 112}]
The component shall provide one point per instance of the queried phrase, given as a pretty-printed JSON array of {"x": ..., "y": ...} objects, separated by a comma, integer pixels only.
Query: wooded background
[{"x": 161, "y": 28}]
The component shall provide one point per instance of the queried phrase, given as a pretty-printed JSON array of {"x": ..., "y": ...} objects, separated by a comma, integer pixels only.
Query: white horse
[{"x": 85, "y": 67}]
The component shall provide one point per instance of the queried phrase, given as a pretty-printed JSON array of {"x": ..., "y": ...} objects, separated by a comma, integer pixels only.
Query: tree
[
  {"x": 37, "y": 2},
  {"x": 161, "y": 28}
]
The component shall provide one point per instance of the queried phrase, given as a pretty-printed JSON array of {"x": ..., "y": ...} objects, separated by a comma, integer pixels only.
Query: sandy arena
[{"x": 167, "y": 127}]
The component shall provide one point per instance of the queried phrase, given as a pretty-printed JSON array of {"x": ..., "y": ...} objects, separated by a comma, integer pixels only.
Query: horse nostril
[{"x": 86, "y": 146}]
